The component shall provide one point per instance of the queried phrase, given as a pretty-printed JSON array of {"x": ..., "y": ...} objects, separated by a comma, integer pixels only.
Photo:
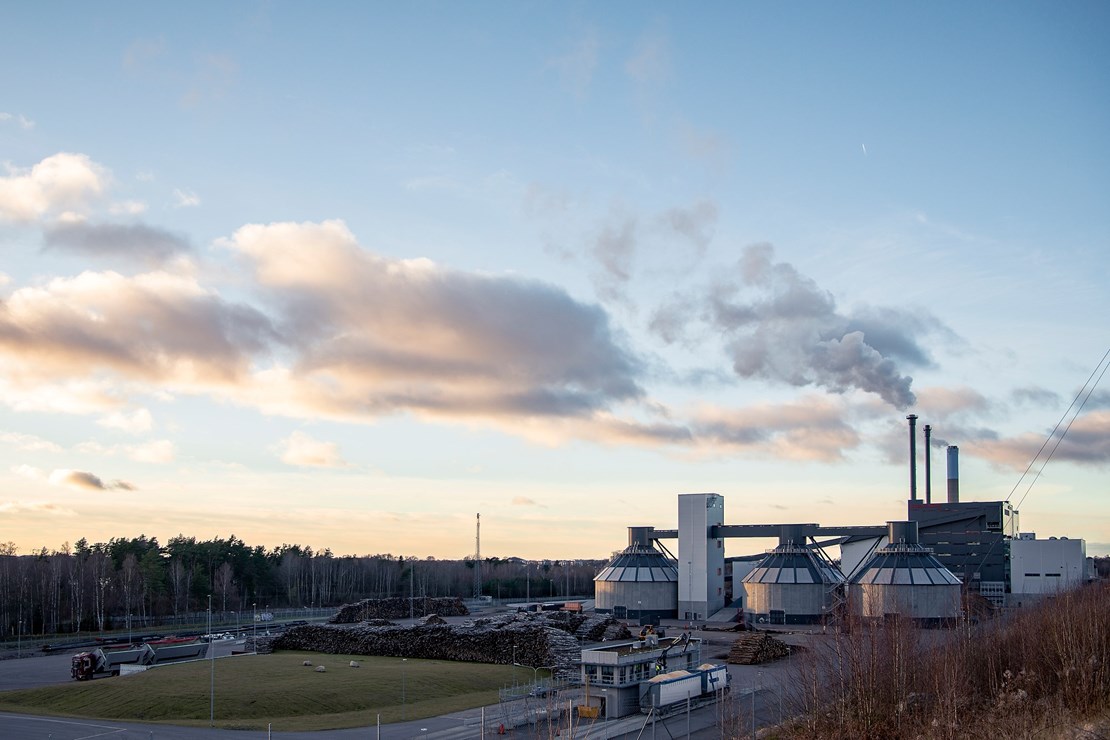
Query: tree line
[{"x": 105, "y": 585}]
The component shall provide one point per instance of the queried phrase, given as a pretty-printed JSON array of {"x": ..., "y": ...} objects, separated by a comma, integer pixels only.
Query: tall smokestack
[
  {"x": 912, "y": 418},
  {"x": 953, "y": 474},
  {"x": 928, "y": 465}
]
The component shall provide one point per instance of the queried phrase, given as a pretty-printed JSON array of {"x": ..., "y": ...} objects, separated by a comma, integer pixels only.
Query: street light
[
  {"x": 535, "y": 672},
  {"x": 212, "y": 672},
  {"x": 254, "y": 626},
  {"x": 403, "y": 661}
]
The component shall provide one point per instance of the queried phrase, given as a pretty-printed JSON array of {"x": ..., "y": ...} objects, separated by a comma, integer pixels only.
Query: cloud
[
  {"x": 1087, "y": 443},
  {"x": 83, "y": 480},
  {"x": 29, "y": 472},
  {"x": 153, "y": 327},
  {"x": 374, "y": 336},
  {"x": 780, "y": 326},
  {"x": 135, "y": 422},
  {"x": 1035, "y": 396},
  {"x": 127, "y": 208},
  {"x": 156, "y": 451},
  {"x": 300, "y": 449},
  {"x": 696, "y": 224},
  {"x": 526, "y": 501},
  {"x": 138, "y": 242},
  {"x": 34, "y": 507},
  {"x": 24, "y": 122},
  {"x": 576, "y": 67},
  {"x": 185, "y": 198},
  {"x": 28, "y": 442},
  {"x": 811, "y": 429},
  {"x": 58, "y": 183}
]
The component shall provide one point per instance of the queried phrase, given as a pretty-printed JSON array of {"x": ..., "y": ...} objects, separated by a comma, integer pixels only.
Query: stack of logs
[
  {"x": 757, "y": 647},
  {"x": 399, "y": 607},
  {"x": 529, "y": 639}
]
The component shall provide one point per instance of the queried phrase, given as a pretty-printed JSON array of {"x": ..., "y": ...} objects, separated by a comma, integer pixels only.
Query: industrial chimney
[
  {"x": 912, "y": 418},
  {"x": 928, "y": 465},
  {"x": 953, "y": 474}
]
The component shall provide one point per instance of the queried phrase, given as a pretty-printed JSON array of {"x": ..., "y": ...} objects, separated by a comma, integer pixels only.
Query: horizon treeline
[{"x": 95, "y": 587}]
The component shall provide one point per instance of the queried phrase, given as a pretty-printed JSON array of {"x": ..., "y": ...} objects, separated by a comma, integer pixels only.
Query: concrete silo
[
  {"x": 904, "y": 579},
  {"x": 793, "y": 584},
  {"x": 640, "y": 581}
]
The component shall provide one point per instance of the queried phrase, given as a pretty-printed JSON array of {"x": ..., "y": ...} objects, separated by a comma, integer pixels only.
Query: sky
[{"x": 347, "y": 274}]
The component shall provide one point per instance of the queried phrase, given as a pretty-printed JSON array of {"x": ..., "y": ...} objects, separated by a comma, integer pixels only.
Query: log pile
[
  {"x": 757, "y": 647},
  {"x": 398, "y": 607},
  {"x": 529, "y": 639}
]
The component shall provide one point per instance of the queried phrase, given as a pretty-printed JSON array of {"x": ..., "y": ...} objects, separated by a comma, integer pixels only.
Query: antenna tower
[{"x": 478, "y": 557}]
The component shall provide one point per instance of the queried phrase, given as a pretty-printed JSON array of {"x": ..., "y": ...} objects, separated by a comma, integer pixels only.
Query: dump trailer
[
  {"x": 101, "y": 661},
  {"x": 109, "y": 662},
  {"x": 177, "y": 651}
]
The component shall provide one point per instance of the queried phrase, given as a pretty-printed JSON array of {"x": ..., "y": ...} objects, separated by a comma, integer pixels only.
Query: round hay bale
[
  {"x": 307, "y": 662},
  {"x": 355, "y": 664},
  {"x": 320, "y": 669}
]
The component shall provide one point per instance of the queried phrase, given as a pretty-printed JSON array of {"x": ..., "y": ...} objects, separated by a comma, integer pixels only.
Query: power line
[
  {"x": 1105, "y": 367},
  {"x": 1058, "y": 423}
]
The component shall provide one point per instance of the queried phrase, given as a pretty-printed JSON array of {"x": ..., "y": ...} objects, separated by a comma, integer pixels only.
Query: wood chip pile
[
  {"x": 399, "y": 607},
  {"x": 539, "y": 640},
  {"x": 757, "y": 647}
]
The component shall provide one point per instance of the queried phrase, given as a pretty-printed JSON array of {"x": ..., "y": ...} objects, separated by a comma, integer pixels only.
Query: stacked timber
[
  {"x": 398, "y": 607},
  {"x": 529, "y": 639},
  {"x": 757, "y": 647}
]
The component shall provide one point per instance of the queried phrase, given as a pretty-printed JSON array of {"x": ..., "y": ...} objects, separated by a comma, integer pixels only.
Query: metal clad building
[
  {"x": 701, "y": 557},
  {"x": 791, "y": 585},
  {"x": 639, "y": 582},
  {"x": 904, "y": 579}
]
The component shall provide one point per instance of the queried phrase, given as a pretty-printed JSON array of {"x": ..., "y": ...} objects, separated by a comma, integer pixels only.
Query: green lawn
[{"x": 254, "y": 690}]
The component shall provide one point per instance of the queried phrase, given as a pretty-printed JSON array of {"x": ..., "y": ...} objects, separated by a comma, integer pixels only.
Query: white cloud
[
  {"x": 135, "y": 422},
  {"x": 24, "y": 122},
  {"x": 185, "y": 198},
  {"x": 158, "y": 451},
  {"x": 28, "y": 442},
  {"x": 29, "y": 472},
  {"x": 300, "y": 449},
  {"x": 61, "y": 182},
  {"x": 127, "y": 208}
]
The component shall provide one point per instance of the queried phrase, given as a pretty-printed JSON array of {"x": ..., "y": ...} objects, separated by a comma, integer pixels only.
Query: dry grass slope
[{"x": 1041, "y": 672}]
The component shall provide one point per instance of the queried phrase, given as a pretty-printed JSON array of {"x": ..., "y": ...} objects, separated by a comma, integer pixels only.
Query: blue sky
[{"x": 346, "y": 275}]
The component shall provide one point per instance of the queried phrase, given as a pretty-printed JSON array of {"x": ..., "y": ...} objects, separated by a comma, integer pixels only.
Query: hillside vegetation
[{"x": 1041, "y": 672}]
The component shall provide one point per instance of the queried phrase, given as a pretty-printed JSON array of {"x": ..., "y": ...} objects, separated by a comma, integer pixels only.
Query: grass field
[{"x": 254, "y": 690}]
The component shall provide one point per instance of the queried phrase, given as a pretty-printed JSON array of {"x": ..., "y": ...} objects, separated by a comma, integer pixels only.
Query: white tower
[{"x": 701, "y": 557}]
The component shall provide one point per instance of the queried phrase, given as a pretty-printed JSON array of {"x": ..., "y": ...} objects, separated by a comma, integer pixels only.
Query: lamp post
[
  {"x": 19, "y": 639},
  {"x": 535, "y": 672},
  {"x": 129, "y": 640},
  {"x": 640, "y": 612},
  {"x": 212, "y": 671},
  {"x": 254, "y": 626},
  {"x": 403, "y": 661}
]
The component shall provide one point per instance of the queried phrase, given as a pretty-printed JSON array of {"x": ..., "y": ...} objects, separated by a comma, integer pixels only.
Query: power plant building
[
  {"x": 793, "y": 584},
  {"x": 639, "y": 582},
  {"x": 904, "y": 579}
]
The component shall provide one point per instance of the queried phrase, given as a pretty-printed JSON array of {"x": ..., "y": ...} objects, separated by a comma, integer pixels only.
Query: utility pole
[{"x": 478, "y": 556}]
